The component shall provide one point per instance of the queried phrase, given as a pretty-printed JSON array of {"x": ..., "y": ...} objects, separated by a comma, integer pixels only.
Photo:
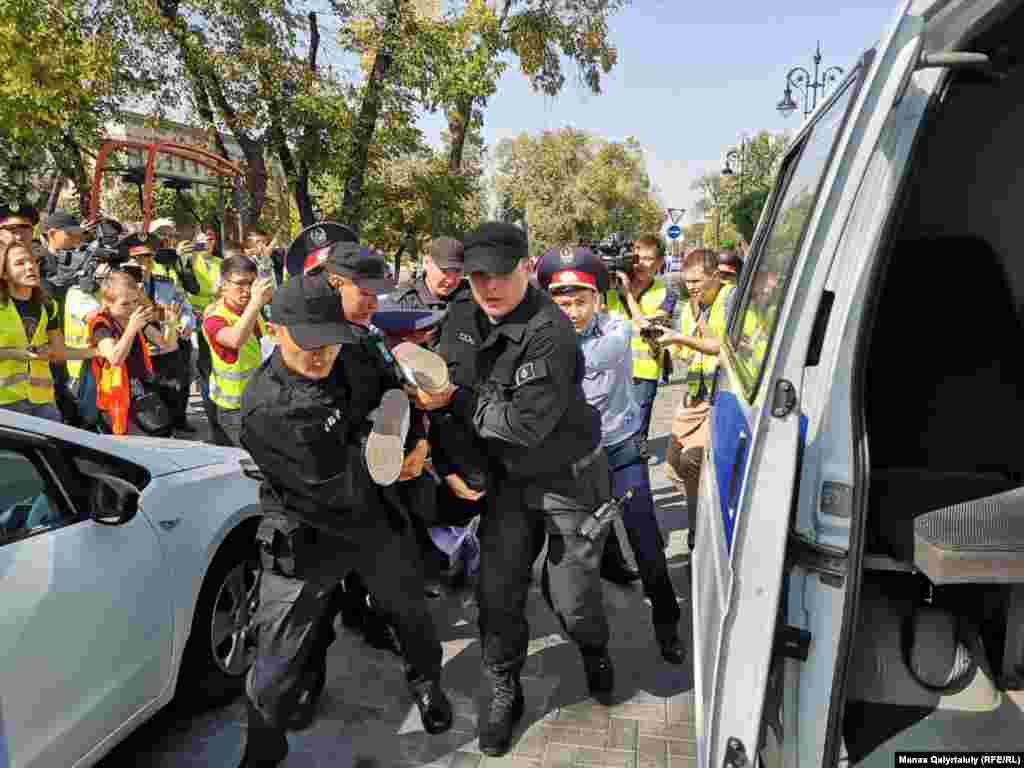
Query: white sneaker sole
[
  {"x": 385, "y": 445},
  {"x": 428, "y": 369}
]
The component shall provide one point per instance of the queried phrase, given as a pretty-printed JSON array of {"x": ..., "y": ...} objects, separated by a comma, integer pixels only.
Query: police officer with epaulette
[
  {"x": 576, "y": 279},
  {"x": 306, "y": 422},
  {"x": 516, "y": 371}
]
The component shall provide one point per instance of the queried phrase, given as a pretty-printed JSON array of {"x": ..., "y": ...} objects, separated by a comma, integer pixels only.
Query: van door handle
[{"x": 734, "y": 481}]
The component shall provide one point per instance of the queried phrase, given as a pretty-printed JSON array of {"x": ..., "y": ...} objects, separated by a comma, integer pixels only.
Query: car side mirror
[{"x": 113, "y": 501}]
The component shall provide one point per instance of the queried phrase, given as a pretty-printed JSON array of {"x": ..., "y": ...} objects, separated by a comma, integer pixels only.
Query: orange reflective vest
[{"x": 113, "y": 390}]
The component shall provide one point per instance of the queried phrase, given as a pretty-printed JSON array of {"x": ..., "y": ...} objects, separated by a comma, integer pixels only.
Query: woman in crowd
[
  {"x": 122, "y": 367},
  {"x": 30, "y": 334}
]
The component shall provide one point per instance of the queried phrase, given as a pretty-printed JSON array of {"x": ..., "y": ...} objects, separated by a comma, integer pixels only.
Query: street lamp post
[
  {"x": 738, "y": 156},
  {"x": 807, "y": 85}
]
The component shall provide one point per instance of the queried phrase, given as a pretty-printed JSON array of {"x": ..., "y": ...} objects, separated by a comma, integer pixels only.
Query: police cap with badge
[
  {"x": 311, "y": 247},
  {"x": 572, "y": 267},
  {"x": 18, "y": 215}
]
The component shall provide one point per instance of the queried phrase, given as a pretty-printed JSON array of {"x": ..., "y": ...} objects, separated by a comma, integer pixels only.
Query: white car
[{"x": 127, "y": 572}]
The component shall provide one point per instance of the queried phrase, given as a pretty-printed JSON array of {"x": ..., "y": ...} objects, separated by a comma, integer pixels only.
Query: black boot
[
  {"x": 266, "y": 746},
  {"x": 504, "y": 711},
  {"x": 672, "y": 649},
  {"x": 600, "y": 674},
  {"x": 435, "y": 709}
]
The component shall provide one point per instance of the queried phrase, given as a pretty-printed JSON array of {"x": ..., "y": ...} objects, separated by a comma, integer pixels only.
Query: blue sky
[{"x": 691, "y": 79}]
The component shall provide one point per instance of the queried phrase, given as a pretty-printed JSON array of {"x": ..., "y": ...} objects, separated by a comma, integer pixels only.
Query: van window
[{"x": 800, "y": 178}]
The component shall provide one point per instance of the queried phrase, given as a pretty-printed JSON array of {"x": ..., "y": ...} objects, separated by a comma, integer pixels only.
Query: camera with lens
[
  {"x": 617, "y": 254},
  {"x": 106, "y": 247}
]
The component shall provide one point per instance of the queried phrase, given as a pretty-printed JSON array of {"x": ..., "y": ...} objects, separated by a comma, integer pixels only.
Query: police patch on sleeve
[{"x": 528, "y": 372}]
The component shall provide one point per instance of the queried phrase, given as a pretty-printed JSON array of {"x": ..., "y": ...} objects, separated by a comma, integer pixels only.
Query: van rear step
[{"x": 974, "y": 542}]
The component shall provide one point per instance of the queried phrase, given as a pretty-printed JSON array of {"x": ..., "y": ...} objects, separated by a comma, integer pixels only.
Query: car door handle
[{"x": 734, "y": 481}]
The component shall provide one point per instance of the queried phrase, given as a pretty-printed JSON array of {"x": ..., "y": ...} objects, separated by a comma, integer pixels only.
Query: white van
[{"x": 858, "y": 576}]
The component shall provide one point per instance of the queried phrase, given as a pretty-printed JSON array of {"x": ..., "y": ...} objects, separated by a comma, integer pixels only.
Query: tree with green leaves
[
  {"x": 63, "y": 70},
  {"x": 571, "y": 186},
  {"x": 541, "y": 35},
  {"x": 747, "y": 189}
]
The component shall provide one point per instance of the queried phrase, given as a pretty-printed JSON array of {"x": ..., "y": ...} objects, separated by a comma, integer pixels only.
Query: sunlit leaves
[{"x": 573, "y": 186}]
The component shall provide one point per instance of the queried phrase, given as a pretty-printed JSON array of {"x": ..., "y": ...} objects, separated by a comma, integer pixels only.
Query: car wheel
[{"x": 222, "y": 644}]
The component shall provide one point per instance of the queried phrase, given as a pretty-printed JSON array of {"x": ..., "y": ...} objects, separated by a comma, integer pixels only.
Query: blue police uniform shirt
[{"x": 608, "y": 381}]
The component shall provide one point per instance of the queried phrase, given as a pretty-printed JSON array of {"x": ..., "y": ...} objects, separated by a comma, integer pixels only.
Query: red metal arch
[{"x": 214, "y": 163}]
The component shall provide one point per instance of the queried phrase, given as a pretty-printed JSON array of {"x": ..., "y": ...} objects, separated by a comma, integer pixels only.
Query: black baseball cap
[
  {"x": 310, "y": 309},
  {"x": 311, "y": 246},
  {"x": 495, "y": 247},
  {"x": 65, "y": 222},
  {"x": 360, "y": 265}
]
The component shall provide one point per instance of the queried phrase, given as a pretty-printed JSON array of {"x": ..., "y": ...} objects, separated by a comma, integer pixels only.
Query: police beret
[
  {"x": 19, "y": 211},
  {"x": 572, "y": 267},
  {"x": 311, "y": 246},
  {"x": 494, "y": 247}
]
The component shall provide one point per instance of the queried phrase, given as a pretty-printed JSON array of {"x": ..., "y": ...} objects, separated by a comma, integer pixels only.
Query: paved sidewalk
[{"x": 366, "y": 719}]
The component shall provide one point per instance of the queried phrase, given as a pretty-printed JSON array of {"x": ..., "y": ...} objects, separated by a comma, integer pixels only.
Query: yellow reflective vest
[
  {"x": 228, "y": 381},
  {"x": 167, "y": 272},
  {"x": 24, "y": 379},
  {"x": 207, "y": 272},
  {"x": 645, "y": 366},
  {"x": 78, "y": 307},
  {"x": 701, "y": 373}
]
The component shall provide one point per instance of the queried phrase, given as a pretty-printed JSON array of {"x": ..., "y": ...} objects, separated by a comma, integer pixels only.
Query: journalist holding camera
[{"x": 644, "y": 297}]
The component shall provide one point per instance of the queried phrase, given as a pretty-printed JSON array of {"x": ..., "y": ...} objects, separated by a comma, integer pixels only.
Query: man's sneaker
[
  {"x": 600, "y": 674},
  {"x": 504, "y": 711},
  {"x": 385, "y": 446},
  {"x": 427, "y": 369}
]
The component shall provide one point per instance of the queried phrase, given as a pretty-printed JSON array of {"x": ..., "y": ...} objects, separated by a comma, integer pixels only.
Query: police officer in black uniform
[
  {"x": 305, "y": 420},
  {"x": 516, "y": 372},
  {"x": 442, "y": 277}
]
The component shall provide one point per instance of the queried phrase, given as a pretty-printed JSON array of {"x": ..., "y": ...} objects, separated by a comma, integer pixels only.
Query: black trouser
[
  {"x": 180, "y": 411},
  {"x": 169, "y": 375},
  {"x": 512, "y": 531},
  {"x": 204, "y": 365},
  {"x": 66, "y": 400},
  {"x": 629, "y": 470},
  {"x": 302, "y": 569},
  {"x": 226, "y": 428}
]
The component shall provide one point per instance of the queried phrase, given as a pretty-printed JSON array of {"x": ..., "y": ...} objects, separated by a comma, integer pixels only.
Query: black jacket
[
  {"x": 416, "y": 295},
  {"x": 520, "y": 384},
  {"x": 307, "y": 438}
]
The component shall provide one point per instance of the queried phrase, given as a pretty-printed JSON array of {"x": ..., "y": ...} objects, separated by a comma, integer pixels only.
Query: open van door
[{"x": 757, "y": 424}]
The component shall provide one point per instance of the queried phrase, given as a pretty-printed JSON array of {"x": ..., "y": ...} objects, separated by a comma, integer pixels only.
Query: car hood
[{"x": 164, "y": 455}]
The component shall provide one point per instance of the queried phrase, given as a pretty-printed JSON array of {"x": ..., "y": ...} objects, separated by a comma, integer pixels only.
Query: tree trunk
[
  {"x": 77, "y": 173},
  {"x": 459, "y": 119},
  {"x": 208, "y": 91},
  {"x": 398, "y": 261},
  {"x": 54, "y": 198},
  {"x": 352, "y": 209}
]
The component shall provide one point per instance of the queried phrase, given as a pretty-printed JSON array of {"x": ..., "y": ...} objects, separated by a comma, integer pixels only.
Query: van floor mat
[
  {"x": 873, "y": 727},
  {"x": 868, "y": 725}
]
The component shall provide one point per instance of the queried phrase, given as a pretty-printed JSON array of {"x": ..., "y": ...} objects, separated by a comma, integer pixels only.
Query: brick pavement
[{"x": 366, "y": 720}]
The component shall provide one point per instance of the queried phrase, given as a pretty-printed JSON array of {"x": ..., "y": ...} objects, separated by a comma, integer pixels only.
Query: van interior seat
[
  {"x": 944, "y": 413},
  {"x": 974, "y": 542}
]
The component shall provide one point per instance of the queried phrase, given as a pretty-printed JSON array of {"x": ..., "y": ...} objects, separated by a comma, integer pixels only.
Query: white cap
[{"x": 160, "y": 224}]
